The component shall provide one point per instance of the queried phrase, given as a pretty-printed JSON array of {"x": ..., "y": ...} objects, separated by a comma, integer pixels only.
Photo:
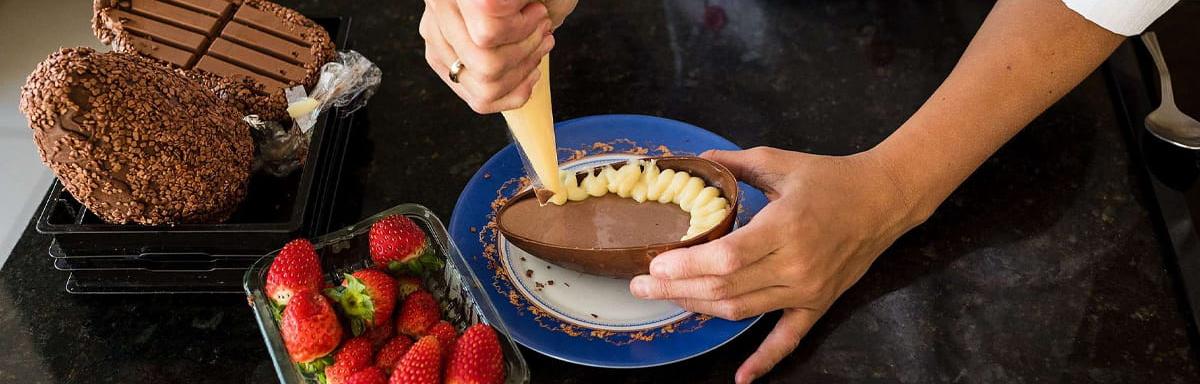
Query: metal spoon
[{"x": 1168, "y": 122}]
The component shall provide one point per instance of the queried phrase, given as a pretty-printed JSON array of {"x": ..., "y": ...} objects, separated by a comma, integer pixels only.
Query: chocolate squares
[{"x": 256, "y": 43}]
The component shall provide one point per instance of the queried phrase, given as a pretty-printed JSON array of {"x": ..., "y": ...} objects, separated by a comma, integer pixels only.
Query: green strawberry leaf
[
  {"x": 277, "y": 311},
  {"x": 355, "y": 302},
  {"x": 316, "y": 366}
]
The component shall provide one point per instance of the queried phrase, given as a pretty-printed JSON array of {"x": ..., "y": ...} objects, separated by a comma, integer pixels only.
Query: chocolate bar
[{"x": 258, "y": 45}]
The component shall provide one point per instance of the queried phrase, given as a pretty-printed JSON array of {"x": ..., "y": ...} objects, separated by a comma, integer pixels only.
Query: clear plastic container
[{"x": 462, "y": 298}]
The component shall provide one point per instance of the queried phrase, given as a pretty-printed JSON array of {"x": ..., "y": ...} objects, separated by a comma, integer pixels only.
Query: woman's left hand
[{"x": 827, "y": 220}]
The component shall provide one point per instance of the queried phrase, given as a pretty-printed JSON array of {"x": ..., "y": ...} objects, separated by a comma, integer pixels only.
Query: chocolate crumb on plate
[
  {"x": 550, "y": 282},
  {"x": 529, "y": 273}
]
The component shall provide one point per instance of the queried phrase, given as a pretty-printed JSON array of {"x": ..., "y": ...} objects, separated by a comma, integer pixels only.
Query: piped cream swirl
[{"x": 642, "y": 181}]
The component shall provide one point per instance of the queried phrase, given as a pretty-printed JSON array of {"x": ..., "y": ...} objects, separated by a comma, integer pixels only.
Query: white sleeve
[{"x": 1126, "y": 17}]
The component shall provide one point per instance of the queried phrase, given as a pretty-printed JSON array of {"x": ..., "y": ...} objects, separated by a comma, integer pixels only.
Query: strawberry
[
  {"x": 421, "y": 365},
  {"x": 419, "y": 312},
  {"x": 310, "y": 330},
  {"x": 477, "y": 358},
  {"x": 355, "y": 353},
  {"x": 367, "y": 298},
  {"x": 445, "y": 334},
  {"x": 380, "y": 334},
  {"x": 406, "y": 285},
  {"x": 392, "y": 352},
  {"x": 369, "y": 375},
  {"x": 294, "y": 269},
  {"x": 335, "y": 374},
  {"x": 399, "y": 245}
]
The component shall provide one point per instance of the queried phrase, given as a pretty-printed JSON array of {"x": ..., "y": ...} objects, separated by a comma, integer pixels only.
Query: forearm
[{"x": 1026, "y": 56}]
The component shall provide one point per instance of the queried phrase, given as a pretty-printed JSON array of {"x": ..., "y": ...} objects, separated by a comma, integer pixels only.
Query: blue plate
[{"x": 555, "y": 319}]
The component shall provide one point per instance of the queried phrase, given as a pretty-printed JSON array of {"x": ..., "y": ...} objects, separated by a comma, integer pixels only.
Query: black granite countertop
[{"x": 1046, "y": 266}]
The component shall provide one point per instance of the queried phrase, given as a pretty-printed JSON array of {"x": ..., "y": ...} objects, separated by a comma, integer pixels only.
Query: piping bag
[{"x": 532, "y": 129}]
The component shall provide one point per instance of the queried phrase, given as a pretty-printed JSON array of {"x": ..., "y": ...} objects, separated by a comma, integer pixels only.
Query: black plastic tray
[
  {"x": 206, "y": 264},
  {"x": 147, "y": 282},
  {"x": 274, "y": 211}
]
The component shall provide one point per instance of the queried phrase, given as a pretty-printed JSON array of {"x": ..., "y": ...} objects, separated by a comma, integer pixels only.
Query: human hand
[
  {"x": 499, "y": 43},
  {"x": 827, "y": 220}
]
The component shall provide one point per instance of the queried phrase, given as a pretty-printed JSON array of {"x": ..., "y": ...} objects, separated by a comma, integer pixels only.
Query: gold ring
[{"x": 455, "y": 68}]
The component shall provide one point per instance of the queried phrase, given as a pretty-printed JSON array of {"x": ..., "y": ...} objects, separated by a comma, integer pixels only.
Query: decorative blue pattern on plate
[{"x": 547, "y": 321}]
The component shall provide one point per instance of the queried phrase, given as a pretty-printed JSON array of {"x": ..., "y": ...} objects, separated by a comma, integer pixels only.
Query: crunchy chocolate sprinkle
[
  {"x": 550, "y": 282},
  {"x": 538, "y": 285},
  {"x": 594, "y": 315},
  {"x": 136, "y": 142},
  {"x": 522, "y": 258},
  {"x": 529, "y": 273},
  {"x": 567, "y": 284}
]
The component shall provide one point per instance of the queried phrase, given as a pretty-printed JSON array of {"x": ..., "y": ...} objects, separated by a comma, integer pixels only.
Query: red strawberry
[
  {"x": 370, "y": 375},
  {"x": 310, "y": 330},
  {"x": 392, "y": 352},
  {"x": 406, "y": 285},
  {"x": 367, "y": 298},
  {"x": 421, "y": 365},
  {"x": 445, "y": 334},
  {"x": 477, "y": 358},
  {"x": 380, "y": 334},
  {"x": 355, "y": 353},
  {"x": 335, "y": 374},
  {"x": 399, "y": 245},
  {"x": 419, "y": 312},
  {"x": 294, "y": 269}
]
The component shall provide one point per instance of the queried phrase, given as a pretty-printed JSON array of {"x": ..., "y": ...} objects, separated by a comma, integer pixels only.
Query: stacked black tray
[{"x": 200, "y": 258}]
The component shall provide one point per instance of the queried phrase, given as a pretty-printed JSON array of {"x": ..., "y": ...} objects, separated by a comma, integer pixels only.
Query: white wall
[{"x": 29, "y": 31}]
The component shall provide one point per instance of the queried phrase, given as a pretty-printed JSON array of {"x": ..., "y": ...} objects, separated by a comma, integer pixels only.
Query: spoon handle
[{"x": 1164, "y": 76}]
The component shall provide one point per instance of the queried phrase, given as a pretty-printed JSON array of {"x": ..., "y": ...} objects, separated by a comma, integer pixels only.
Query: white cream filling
[{"x": 643, "y": 181}]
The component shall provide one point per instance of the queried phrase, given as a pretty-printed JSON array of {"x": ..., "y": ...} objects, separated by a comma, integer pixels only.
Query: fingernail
[
  {"x": 637, "y": 286},
  {"x": 660, "y": 269}
]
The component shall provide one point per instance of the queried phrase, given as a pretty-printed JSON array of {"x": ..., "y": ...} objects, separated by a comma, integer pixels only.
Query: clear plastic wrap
[
  {"x": 345, "y": 84},
  {"x": 279, "y": 151}
]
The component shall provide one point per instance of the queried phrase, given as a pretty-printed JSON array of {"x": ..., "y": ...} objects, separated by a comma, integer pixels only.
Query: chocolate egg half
[
  {"x": 136, "y": 142},
  {"x": 611, "y": 235}
]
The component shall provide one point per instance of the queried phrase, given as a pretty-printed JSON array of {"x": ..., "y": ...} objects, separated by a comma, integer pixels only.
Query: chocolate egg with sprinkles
[{"x": 137, "y": 142}]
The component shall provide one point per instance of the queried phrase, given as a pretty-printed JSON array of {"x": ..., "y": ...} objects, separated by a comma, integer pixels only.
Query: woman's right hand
[{"x": 499, "y": 43}]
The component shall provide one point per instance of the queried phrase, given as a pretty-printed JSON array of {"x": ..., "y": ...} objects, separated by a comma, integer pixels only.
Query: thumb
[{"x": 754, "y": 166}]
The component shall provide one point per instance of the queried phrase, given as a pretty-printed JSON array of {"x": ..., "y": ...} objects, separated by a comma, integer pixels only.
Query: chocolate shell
[
  {"x": 247, "y": 52},
  {"x": 135, "y": 141},
  {"x": 610, "y": 235}
]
